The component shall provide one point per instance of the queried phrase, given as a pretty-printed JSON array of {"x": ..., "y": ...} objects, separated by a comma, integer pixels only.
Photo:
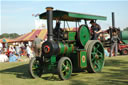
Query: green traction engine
[{"x": 67, "y": 51}]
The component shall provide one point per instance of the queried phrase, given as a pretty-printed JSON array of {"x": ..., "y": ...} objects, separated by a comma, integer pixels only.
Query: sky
[{"x": 16, "y": 16}]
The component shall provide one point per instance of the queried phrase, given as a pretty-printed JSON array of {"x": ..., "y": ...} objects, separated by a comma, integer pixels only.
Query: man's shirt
[{"x": 96, "y": 28}]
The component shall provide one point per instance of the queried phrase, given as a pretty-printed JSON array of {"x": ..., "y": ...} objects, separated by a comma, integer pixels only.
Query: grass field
[{"x": 115, "y": 72}]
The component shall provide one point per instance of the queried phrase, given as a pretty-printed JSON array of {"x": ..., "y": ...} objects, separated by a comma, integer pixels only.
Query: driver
[
  {"x": 58, "y": 31},
  {"x": 96, "y": 29}
]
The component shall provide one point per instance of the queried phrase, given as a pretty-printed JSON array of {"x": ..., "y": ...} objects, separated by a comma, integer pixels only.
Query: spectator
[
  {"x": 17, "y": 48},
  {"x": 7, "y": 52},
  {"x": 22, "y": 44},
  {"x": 14, "y": 58},
  {"x": 115, "y": 39},
  {"x": 1, "y": 46},
  {"x": 107, "y": 36},
  {"x": 11, "y": 49},
  {"x": 37, "y": 45},
  {"x": 3, "y": 58},
  {"x": 6, "y": 46},
  {"x": 29, "y": 52},
  {"x": 30, "y": 43},
  {"x": 106, "y": 52}
]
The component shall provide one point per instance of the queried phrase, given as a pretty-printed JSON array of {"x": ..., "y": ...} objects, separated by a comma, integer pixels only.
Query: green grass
[{"x": 115, "y": 72}]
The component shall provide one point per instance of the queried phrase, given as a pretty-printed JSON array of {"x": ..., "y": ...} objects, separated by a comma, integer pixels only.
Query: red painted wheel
[{"x": 124, "y": 51}]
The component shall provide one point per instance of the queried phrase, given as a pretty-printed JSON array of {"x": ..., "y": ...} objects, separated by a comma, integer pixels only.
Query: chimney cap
[{"x": 49, "y": 8}]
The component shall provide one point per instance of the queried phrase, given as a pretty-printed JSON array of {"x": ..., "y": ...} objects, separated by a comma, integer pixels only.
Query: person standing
[
  {"x": 6, "y": 47},
  {"x": 29, "y": 52},
  {"x": 1, "y": 47},
  {"x": 37, "y": 45},
  {"x": 96, "y": 29},
  {"x": 115, "y": 39},
  {"x": 17, "y": 48}
]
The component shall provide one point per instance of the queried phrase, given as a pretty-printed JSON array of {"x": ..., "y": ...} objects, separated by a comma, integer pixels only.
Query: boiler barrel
[
  {"x": 65, "y": 48},
  {"x": 124, "y": 36}
]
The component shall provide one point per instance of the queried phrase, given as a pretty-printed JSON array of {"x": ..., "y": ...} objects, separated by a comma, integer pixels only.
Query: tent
[
  {"x": 4, "y": 40},
  {"x": 31, "y": 35},
  {"x": 42, "y": 34}
]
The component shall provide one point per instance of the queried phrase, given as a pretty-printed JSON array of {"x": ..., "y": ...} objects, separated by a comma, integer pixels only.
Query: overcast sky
[{"x": 16, "y": 16}]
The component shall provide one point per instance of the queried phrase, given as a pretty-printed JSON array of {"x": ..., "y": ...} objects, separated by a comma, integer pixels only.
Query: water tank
[{"x": 124, "y": 36}]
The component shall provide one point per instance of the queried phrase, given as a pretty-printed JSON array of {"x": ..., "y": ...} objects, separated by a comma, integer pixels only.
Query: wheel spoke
[
  {"x": 99, "y": 53},
  {"x": 96, "y": 64},
  {"x": 97, "y": 46},
  {"x": 101, "y": 60},
  {"x": 35, "y": 66},
  {"x": 63, "y": 65},
  {"x": 64, "y": 70},
  {"x": 67, "y": 64},
  {"x": 94, "y": 49},
  {"x": 36, "y": 71},
  {"x": 97, "y": 49},
  {"x": 93, "y": 58},
  {"x": 93, "y": 53}
]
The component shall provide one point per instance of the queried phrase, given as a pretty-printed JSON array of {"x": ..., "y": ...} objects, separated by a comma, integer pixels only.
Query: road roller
[{"x": 66, "y": 51}]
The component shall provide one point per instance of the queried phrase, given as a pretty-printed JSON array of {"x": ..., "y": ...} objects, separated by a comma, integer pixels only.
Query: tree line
[
  {"x": 126, "y": 28},
  {"x": 11, "y": 35}
]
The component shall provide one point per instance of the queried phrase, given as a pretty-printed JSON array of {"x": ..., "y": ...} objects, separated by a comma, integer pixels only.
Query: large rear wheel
[
  {"x": 64, "y": 68},
  {"x": 95, "y": 56},
  {"x": 87, "y": 44},
  {"x": 35, "y": 67}
]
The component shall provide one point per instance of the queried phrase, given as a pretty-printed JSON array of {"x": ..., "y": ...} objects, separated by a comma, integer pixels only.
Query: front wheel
[
  {"x": 64, "y": 68},
  {"x": 35, "y": 67}
]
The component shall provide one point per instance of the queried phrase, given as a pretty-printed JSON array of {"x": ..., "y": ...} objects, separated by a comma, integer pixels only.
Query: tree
[
  {"x": 11, "y": 35},
  {"x": 126, "y": 29}
]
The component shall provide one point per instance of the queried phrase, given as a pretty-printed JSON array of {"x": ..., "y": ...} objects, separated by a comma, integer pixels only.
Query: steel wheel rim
[
  {"x": 66, "y": 69},
  {"x": 97, "y": 56},
  {"x": 35, "y": 68},
  {"x": 125, "y": 51}
]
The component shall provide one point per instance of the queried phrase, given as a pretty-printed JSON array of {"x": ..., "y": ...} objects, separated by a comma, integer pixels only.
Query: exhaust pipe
[
  {"x": 50, "y": 23},
  {"x": 113, "y": 20}
]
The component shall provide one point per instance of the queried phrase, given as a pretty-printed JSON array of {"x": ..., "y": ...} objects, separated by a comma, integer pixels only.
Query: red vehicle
[
  {"x": 122, "y": 45},
  {"x": 123, "y": 49}
]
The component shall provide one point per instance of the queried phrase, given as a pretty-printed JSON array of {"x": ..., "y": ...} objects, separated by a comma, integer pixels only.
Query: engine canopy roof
[{"x": 72, "y": 16}]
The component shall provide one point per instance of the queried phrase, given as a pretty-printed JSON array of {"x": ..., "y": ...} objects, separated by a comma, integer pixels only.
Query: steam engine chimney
[
  {"x": 50, "y": 23},
  {"x": 113, "y": 20}
]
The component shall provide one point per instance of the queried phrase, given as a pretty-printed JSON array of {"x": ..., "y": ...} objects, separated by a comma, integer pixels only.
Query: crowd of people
[{"x": 13, "y": 52}]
